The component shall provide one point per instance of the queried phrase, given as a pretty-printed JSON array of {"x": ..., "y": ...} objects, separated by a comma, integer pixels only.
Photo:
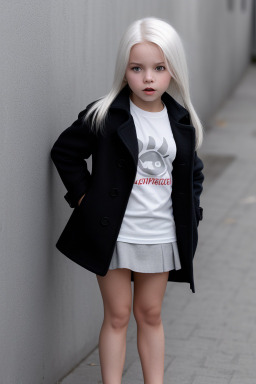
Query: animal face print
[{"x": 151, "y": 161}]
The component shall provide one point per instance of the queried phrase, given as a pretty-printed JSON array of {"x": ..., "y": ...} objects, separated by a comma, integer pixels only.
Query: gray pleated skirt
[{"x": 147, "y": 258}]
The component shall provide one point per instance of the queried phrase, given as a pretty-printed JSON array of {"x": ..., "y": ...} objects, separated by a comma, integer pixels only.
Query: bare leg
[
  {"x": 116, "y": 293},
  {"x": 149, "y": 289}
]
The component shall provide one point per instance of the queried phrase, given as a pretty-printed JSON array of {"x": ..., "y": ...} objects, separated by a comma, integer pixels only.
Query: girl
[{"x": 136, "y": 214}]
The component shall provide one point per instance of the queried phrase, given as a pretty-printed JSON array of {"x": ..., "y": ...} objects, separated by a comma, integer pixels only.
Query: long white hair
[{"x": 161, "y": 33}]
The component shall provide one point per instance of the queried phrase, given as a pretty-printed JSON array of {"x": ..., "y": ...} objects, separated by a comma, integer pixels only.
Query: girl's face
[{"x": 147, "y": 76}]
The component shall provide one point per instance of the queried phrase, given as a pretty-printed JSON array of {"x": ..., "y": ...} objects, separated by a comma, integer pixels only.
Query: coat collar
[{"x": 175, "y": 110}]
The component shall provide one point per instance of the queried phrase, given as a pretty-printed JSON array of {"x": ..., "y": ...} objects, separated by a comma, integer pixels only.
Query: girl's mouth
[{"x": 149, "y": 91}]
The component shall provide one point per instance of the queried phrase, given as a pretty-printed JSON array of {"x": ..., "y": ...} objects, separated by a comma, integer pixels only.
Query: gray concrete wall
[
  {"x": 254, "y": 30},
  {"x": 57, "y": 56}
]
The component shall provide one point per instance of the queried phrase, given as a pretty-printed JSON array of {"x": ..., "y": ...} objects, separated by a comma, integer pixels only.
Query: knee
[
  {"x": 120, "y": 318},
  {"x": 149, "y": 315}
]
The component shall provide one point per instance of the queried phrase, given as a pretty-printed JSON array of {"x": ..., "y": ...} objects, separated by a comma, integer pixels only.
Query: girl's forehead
[{"x": 146, "y": 50}]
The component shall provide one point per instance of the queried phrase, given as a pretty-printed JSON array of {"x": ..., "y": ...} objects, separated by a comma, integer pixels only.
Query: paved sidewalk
[{"x": 211, "y": 335}]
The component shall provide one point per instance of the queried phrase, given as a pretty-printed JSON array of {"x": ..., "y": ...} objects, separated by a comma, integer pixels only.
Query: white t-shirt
[{"x": 148, "y": 217}]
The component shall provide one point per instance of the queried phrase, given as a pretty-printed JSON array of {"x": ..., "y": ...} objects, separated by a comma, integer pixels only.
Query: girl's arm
[
  {"x": 74, "y": 144},
  {"x": 198, "y": 179}
]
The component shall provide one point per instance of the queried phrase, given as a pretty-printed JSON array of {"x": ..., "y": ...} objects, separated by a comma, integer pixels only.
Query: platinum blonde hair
[{"x": 161, "y": 33}]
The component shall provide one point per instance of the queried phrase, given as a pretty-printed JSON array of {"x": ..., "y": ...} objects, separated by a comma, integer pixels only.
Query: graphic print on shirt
[{"x": 151, "y": 161}]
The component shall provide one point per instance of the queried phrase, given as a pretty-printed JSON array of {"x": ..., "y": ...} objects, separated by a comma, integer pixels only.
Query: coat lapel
[
  {"x": 184, "y": 136},
  {"x": 127, "y": 134},
  {"x": 126, "y": 130},
  {"x": 183, "y": 131}
]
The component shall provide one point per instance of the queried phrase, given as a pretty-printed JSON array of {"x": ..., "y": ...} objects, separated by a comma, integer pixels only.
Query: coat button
[
  {"x": 114, "y": 192},
  {"x": 121, "y": 163},
  {"x": 104, "y": 221}
]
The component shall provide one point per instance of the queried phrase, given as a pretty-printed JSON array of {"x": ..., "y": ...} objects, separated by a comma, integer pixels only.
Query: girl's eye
[
  {"x": 160, "y": 68},
  {"x": 136, "y": 69}
]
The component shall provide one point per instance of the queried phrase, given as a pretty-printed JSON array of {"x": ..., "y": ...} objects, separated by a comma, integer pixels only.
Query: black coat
[{"x": 90, "y": 234}]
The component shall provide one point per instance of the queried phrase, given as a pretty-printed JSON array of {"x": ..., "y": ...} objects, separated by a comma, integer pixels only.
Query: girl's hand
[{"x": 79, "y": 202}]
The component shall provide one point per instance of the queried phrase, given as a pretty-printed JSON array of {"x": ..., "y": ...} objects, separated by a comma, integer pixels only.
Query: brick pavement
[{"x": 211, "y": 335}]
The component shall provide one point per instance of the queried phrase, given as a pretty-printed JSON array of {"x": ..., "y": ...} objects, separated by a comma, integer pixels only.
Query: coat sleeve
[
  {"x": 74, "y": 144},
  {"x": 198, "y": 179}
]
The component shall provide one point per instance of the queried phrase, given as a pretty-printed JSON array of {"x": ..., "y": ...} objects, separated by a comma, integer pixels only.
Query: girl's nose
[{"x": 148, "y": 78}]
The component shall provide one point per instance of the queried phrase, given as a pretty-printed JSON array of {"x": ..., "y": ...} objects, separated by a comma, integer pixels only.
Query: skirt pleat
[{"x": 147, "y": 258}]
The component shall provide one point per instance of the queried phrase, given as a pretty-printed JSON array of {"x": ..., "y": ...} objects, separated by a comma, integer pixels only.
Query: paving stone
[
  {"x": 134, "y": 373},
  {"x": 210, "y": 380},
  {"x": 242, "y": 380}
]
